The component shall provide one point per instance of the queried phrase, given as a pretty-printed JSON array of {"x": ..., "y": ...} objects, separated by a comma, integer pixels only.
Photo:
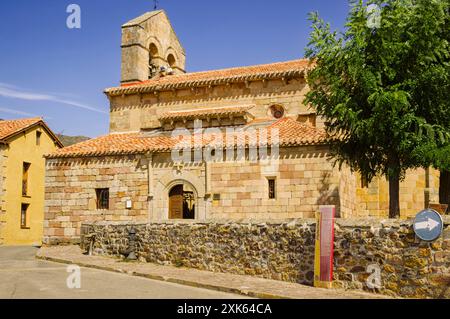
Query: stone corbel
[
  {"x": 264, "y": 83},
  {"x": 178, "y": 168}
]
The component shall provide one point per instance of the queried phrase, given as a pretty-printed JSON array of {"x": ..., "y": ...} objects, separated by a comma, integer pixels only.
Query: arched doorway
[{"x": 182, "y": 202}]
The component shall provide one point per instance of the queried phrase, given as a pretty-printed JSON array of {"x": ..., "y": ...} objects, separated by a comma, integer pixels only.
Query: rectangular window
[
  {"x": 25, "y": 171},
  {"x": 272, "y": 190},
  {"x": 23, "y": 215},
  {"x": 102, "y": 198},
  {"x": 38, "y": 138},
  {"x": 216, "y": 199},
  {"x": 364, "y": 182}
]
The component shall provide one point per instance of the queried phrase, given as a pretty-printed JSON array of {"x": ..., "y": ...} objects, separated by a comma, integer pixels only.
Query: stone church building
[{"x": 235, "y": 143}]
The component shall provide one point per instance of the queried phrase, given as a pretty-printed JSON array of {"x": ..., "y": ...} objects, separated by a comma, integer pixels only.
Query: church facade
[{"x": 235, "y": 143}]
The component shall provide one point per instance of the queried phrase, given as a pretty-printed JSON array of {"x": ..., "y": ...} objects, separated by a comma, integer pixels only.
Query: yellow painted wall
[{"x": 23, "y": 148}]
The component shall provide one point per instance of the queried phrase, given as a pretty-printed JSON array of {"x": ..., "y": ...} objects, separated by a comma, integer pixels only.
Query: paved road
[{"x": 23, "y": 276}]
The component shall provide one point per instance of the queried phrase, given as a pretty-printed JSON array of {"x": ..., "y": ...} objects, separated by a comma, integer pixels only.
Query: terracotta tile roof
[
  {"x": 9, "y": 128},
  {"x": 215, "y": 77},
  {"x": 112, "y": 144},
  {"x": 291, "y": 133},
  {"x": 211, "y": 112},
  {"x": 288, "y": 132}
]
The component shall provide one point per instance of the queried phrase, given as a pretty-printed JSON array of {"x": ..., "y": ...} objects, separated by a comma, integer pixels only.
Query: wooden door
[{"x": 176, "y": 202}]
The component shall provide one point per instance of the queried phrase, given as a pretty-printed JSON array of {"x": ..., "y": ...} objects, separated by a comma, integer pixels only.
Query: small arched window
[
  {"x": 171, "y": 60},
  {"x": 277, "y": 111},
  {"x": 153, "y": 49},
  {"x": 152, "y": 53}
]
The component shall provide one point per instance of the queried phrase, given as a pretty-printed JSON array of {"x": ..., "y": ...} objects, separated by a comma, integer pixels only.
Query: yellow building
[{"x": 23, "y": 143}]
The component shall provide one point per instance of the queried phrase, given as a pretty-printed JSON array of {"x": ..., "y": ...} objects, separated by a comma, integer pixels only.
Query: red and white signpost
[{"x": 323, "y": 263}]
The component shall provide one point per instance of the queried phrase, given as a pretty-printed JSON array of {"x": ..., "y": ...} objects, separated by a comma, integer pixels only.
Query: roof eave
[
  {"x": 40, "y": 123},
  {"x": 105, "y": 154},
  {"x": 168, "y": 149},
  {"x": 142, "y": 88}
]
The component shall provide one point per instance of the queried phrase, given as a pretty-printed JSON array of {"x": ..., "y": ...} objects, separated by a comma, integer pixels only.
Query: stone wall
[
  {"x": 273, "y": 249},
  {"x": 141, "y": 111},
  {"x": 284, "y": 250},
  {"x": 145, "y": 38},
  {"x": 409, "y": 266},
  {"x": 347, "y": 195},
  {"x": 70, "y": 193},
  {"x": 304, "y": 179},
  {"x": 373, "y": 199}
]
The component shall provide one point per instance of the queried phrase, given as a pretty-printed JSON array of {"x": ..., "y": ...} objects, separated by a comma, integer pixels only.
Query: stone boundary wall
[{"x": 284, "y": 250}]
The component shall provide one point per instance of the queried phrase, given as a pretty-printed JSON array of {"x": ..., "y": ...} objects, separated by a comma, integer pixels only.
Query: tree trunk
[
  {"x": 394, "y": 196},
  {"x": 444, "y": 187}
]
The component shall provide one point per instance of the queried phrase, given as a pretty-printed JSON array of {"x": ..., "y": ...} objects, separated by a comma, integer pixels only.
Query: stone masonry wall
[
  {"x": 70, "y": 194},
  {"x": 141, "y": 111},
  {"x": 304, "y": 179},
  {"x": 373, "y": 200},
  {"x": 141, "y": 34},
  {"x": 284, "y": 250}
]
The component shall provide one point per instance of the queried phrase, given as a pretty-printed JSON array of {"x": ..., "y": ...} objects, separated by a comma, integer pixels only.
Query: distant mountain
[{"x": 70, "y": 140}]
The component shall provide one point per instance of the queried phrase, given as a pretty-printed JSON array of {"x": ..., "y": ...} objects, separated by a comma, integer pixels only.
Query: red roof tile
[
  {"x": 215, "y": 77},
  {"x": 291, "y": 133},
  {"x": 12, "y": 127}
]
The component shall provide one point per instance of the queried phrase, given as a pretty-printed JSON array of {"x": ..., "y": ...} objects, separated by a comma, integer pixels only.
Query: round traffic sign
[{"x": 428, "y": 225}]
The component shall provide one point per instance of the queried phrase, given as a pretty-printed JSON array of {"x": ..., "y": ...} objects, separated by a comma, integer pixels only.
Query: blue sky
[{"x": 49, "y": 70}]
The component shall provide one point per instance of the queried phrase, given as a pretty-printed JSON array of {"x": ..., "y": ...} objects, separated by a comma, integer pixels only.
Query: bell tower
[{"x": 150, "y": 47}]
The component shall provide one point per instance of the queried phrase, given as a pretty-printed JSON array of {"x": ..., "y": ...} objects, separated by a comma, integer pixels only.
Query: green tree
[
  {"x": 372, "y": 85},
  {"x": 433, "y": 92}
]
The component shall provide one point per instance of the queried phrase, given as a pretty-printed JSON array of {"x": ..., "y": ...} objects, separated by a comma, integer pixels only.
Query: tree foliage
[{"x": 384, "y": 89}]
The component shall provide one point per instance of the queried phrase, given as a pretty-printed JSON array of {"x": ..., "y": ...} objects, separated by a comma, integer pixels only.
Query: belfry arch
[{"x": 147, "y": 42}]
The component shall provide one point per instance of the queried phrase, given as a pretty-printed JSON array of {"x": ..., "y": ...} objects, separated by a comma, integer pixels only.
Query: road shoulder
[{"x": 237, "y": 284}]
